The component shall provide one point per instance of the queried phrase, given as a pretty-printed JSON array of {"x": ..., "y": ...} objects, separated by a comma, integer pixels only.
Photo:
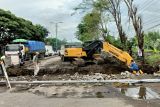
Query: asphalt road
[{"x": 31, "y": 100}]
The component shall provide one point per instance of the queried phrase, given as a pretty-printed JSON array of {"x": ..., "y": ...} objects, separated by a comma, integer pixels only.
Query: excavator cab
[
  {"x": 71, "y": 51},
  {"x": 92, "y": 49}
]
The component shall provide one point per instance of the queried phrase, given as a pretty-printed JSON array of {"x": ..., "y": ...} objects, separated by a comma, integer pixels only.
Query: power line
[
  {"x": 142, "y": 10},
  {"x": 153, "y": 26},
  {"x": 145, "y": 3},
  {"x": 151, "y": 21}
]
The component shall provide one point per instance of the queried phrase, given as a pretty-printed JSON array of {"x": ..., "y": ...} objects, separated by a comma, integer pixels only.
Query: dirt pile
[
  {"x": 148, "y": 69},
  {"x": 68, "y": 69},
  {"x": 19, "y": 71}
]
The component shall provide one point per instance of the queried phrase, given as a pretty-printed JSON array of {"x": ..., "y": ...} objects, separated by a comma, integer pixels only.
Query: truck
[
  {"x": 26, "y": 47},
  {"x": 49, "y": 50}
]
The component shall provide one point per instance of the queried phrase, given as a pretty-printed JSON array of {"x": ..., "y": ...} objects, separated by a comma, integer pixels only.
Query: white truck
[
  {"x": 12, "y": 53},
  {"x": 49, "y": 50},
  {"x": 19, "y": 51}
]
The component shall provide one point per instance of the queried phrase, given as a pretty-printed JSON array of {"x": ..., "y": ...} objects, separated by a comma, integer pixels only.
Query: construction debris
[
  {"x": 125, "y": 74},
  {"x": 156, "y": 74}
]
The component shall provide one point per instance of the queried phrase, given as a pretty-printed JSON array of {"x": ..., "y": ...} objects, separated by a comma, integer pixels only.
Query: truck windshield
[{"x": 12, "y": 48}]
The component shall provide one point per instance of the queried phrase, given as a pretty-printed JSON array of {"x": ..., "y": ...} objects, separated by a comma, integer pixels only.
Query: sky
[{"x": 49, "y": 12}]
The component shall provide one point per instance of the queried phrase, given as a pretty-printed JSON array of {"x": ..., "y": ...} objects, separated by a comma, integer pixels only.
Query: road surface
[
  {"x": 31, "y": 100},
  {"x": 9, "y": 98}
]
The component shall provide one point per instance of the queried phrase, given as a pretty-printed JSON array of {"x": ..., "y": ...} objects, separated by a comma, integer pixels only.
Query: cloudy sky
[{"x": 46, "y": 11}]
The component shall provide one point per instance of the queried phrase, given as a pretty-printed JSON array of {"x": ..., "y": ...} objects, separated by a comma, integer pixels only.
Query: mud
[
  {"x": 54, "y": 67},
  {"x": 71, "y": 91},
  {"x": 149, "y": 69},
  {"x": 60, "y": 70},
  {"x": 68, "y": 69},
  {"x": 19, "y": 71},
  {"x": 136, "y": 92}
]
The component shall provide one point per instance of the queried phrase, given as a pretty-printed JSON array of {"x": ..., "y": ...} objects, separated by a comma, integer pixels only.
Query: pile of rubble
[
  {"x": 100, "y": 76},
  {"x": 78, "y": 76}
]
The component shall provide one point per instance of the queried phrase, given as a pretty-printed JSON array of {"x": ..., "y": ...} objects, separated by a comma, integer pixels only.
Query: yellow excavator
[{"x": 91, "y": 50}]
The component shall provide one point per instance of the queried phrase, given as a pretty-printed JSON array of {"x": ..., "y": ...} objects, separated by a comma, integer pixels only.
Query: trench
[{"x": 108, "y": 68}]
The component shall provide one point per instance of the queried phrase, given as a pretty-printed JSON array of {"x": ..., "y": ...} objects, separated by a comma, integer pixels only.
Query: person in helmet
[{"x": 134, "y": 68}]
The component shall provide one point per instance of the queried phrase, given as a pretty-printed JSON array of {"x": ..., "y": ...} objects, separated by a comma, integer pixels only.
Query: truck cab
[
  {"x": 13, "y": 49},
  {"x": 12, "y": 52}
]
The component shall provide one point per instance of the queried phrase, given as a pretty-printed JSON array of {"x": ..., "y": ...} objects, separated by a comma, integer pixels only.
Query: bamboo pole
[{"x": 6, "y": 75}]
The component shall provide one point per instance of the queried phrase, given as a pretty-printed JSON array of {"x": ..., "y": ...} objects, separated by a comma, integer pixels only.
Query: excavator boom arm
[{"x": 119, "y": 54}]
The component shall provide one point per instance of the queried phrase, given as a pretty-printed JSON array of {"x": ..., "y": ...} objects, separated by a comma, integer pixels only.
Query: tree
[
  {"x": 113, "y": 7},
  {"x": 88, "y": 29},
  {"x": 106, "y": 7},
  {"x": 12, "y": 27},
  {"x": 101, "y": 6},
  {"x": 137, "y": 24},
  {"x": 98, "y": 7},
  {"x": 152, "y": 41},
  {"x": 40, "y": 32}
]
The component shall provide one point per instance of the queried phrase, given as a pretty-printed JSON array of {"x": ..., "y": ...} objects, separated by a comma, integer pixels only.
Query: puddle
[
  {"x": 141, "y": 92},
  {"x": 99, "y": 95}
]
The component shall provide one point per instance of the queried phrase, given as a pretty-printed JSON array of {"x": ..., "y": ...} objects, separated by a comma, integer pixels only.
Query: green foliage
[
  {"x": 132, "y": 42},
  {"x": 101, "y": 5},
  {"x": 153, "y": 59},
  {"x": 88, "y": 29},
  {"x": 52, "y": 41},
  {"x": 152, "y": 41},
  {"x": 12, "y": 27}
]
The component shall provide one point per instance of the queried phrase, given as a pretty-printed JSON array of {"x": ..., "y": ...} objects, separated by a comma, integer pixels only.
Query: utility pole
[
  {"x": 56, "y": 35},
  {"x": 56, "y": 30}
]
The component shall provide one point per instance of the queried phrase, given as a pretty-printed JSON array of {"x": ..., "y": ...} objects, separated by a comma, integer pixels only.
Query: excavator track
[{"x": 78, "y": 62}]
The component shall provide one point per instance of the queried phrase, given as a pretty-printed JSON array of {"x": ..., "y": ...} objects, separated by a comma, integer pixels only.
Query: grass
[{"x": 153, "y": 59}]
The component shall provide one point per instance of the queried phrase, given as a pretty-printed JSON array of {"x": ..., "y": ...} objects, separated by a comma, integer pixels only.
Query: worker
[
  {"x": 134, "y": 68},
  {"x": 1, "y": 68},
  {"x": 139, "y": 53},
  {"x": 20, "y": 57},
  {"x": 3, "y": 59},
  {"x": 36, "y": 63}
]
